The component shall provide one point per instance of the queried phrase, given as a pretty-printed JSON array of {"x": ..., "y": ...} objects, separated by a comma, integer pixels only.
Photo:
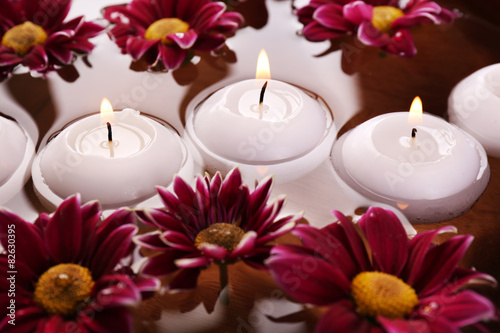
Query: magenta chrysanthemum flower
[
  {"x": 34, "y": 35},
  {"x": 380, "y": 23},
  {"x": 164, "y": 33},
  {"x": 219, "y": 221},
  {"x": 68, "y": 272},
  {"x": 374, "y": 279}
]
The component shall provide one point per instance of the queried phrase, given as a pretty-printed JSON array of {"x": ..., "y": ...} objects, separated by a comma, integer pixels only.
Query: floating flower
[
  {"x": 165, "y": 33},
  {"x": 219, "y": 221},
  {"x": 67, "y": 272},
  {"x": 390, "y": 284},
  {"x": 380, "y": 23},
  {"x": 34, "y": 35}
]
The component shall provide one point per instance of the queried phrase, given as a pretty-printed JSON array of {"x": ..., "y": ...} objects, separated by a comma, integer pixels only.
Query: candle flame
[
  {"x": 106, "y": 111},
  {"x": 263, "y": 69},
  {"x": 415, "y": 115}
]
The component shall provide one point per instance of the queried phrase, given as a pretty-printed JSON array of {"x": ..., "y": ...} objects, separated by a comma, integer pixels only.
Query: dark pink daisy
[
  {"x": 69, "y": 272},
  {"x": 218, "y": 221},
  {"x": 34, "y": 35},
  {"x": 165, "y": 33},
  {"x": 374, "y": 279},
  {"x": 380, "y": 23}
]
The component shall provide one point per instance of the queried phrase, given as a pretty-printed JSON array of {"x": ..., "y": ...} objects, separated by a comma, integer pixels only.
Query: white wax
[
  {"x": 13, "y": 143},
  {"x": 230, "y": 128},
  {"x": 474, "y": 106},
  {"x": 434, "y": 177},
  {"x": 144, "y": 154}
]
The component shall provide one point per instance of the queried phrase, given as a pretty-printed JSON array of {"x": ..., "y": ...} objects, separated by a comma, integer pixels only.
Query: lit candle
[
  {"x": 117, "y": 158},
  {"x": 430, "y": 169},
  {"x": 474, "y": 106},
  {"x": 262, "y": 125}
]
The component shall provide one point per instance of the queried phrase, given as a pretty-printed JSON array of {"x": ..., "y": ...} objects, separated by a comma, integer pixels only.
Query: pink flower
[
  {"x": 166, "y": 32},
  {"x": 219, "y": 221},
  {"x": 373, "y": 279},
  {"x": 380, "y": 23},
  {"x": 69, "y": 271},
  {"x": 34, "y": 35}
]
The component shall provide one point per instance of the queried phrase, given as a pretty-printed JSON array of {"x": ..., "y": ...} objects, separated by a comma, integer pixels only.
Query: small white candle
[
  {"x": 474, "y": 106},
  {"x": 13, "y": 142},
  {"x": 264, "y": 126},
  {"x": 434, "y": 176},
  {"x": 122, "y": 172}
]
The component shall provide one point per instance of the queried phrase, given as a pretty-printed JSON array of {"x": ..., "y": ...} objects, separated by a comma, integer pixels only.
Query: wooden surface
[{"x": 446, "y": 55}]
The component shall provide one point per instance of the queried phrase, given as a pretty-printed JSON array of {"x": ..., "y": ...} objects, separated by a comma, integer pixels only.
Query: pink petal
[
  {"x": 440, "y": 263},
  {"x": 387, "y": 239},
  {"x": 197, "y": 262},
  {"x": 8, "y": 57},
  {"x": 27, "y": 320},
  {"x": 342, "y": 317},
  {"x": 162, "y": 264},
  {"x": 315, "y": 32},
  {"x": 206, "y": 17},
  {"x": 327, "y": 247},
  {"x": 172, "y": 57},
  {"x": 369, "y": 35},
  {"x": 418, "y": 247},
  {"x": 353, "y": 239},
  {"x": 213, "y": 251},
  {"x": 136, "y": 47},
  {"x": 29, "y": 246},
  {"x": 112, "y": 250},
  {"x": 465, "y": 308},
  {"x": 403, "y": 325},
  {"x": 151, "y": 241},
  {"x": 331, "y": 17},
  {"x": 36, "y": 59},
  {"x": 402, "y": 44},
  {"x": 116, "y": 290},
  {"x": 308, "y": 279},
  {"x": 245, "y": 245},
  {"x": 357, "y": 12},
  {"x": 64, "y": 231},
  {"x": 178, "y": 240}
]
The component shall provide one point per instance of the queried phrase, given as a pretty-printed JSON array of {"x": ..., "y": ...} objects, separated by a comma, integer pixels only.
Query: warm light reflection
[
  {"x": 263, "y": 70},
  {"x": 416, "y": 109},
  {"x": 106, "y": 111}
]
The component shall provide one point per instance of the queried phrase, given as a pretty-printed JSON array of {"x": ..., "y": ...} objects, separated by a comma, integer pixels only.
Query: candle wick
[
  {"x": 413, "y": 133},
  {"x": 110, "y": 133},
  {"x": 110, "y": 140},
  {"x": 261, "y": 99}
]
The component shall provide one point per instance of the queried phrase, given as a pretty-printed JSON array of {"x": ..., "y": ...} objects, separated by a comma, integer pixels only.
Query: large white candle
[
  {"x": 124, "y": 171},
  {"x": 474, "y": 106},
  {"x": 427, "y": 167},
  {"x": 264, "y": 126},
  {"x": 13, "y": 142}
]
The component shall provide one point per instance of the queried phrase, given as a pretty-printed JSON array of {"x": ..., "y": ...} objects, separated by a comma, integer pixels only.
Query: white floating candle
[
  {"x": 434, "y": 176},
  {"x": 122, "y": 171},
  {"x": 474, "y": 106},
  {"x": 13, "y": 143},
  {"x": 264, "y": 126}
]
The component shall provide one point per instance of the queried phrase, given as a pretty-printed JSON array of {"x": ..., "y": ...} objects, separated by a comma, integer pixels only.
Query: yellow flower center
[
  {"x": 24, "y": 36},
  {"x": 226, "y": 235},
  {"x": 62, "y": 288},
  {"x": 162, "y": 28},
  {"x": 383, "y": 16},
  {"x": 377, "y": 293}
]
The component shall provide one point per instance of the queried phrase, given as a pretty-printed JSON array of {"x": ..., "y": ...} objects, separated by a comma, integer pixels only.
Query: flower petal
[
  {"x": 162, "y": 264},
  {"x": 387, "y": 239},
  {"x": 213, "y": 251},
  {"x": 185, "y": 280},
  {"x": 357, "y": 12},
  {"x": 343, "y": 317},
  {"x": 330, "y": 16},
  {"x": 178, "y": 240},
  {"x": 308, "y": 279},
  {"x": 245, "y": 245},
  {"x": 64, "y": 231},
  {"x": 36, "y": 59},
  {"x": 136, "y": 47}
]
